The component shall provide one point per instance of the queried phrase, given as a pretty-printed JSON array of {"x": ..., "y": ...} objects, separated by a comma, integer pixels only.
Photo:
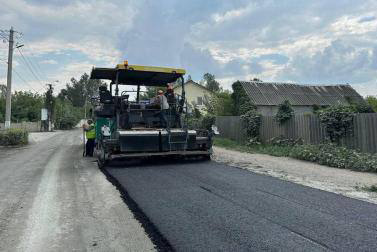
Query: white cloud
[
  {"x": 232, "y": 14},
  {"x": 348, "y": 25},
  {"x": 3, "y": 81},
  {"x": 271, "y": 40},
  {"x": 94, "y": 50},
  {"x": 49, "y": 62},
  {"x": 88, "y": 27},
  {"x": 366, "y": 89},
  {"x": 73, "y": 69}
]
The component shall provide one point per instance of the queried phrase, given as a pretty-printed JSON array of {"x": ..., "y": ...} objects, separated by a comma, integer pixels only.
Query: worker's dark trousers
[
  {"x": 89, "y": 147},
  {"x": 163, "y": 117}
]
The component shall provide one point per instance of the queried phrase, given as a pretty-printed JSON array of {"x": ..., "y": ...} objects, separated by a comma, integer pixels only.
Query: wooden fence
[{"x": 306, "y": 127}]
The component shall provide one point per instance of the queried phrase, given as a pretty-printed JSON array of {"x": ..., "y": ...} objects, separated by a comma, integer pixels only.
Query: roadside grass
[
  {"x": 324, "y": 154},
  {"x": 273, "y": 150},
  {"x": 372, "y": 188},
  {"x": 13, "y": 137}
]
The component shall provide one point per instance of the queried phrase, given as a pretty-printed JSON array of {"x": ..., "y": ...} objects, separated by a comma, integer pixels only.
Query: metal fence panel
[{"x": 306, "y": 127}]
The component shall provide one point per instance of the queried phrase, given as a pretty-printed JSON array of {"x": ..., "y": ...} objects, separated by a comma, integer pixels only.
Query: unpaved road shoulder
[
  {"x": 326, "y": 178},
  {"x": 53, "y": 199}
]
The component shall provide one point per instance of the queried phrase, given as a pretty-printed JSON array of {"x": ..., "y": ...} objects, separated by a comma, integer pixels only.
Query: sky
[{"x": 306, "y": 42}]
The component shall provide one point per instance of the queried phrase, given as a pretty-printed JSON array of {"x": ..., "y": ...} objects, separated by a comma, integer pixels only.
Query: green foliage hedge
[
  {"x": 66, "y": 122},
  {"x": 203, "y": 122},
  {"x": 13, "y": 137},
  {"x": 66, "y": 115},
  {"x": 325, "y": 154},
  {"x": 285, "y": 112},
  {"x": 335, "y": 156},
  {"x": 338, "y": 121},
  {"x": 252, "y": 122},
  {"x": 241, "y": 102}
]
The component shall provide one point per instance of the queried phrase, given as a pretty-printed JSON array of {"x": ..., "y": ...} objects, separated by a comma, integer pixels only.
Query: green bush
[
  {"x": 285, "y": 112},
  {"x": 282, "y": 141},
  {"x": 13, "y": 137},
  {"x": 193, "y": 123},
  {"x": 335, "y": 156},
  {"x": 338, "y": 121},
  {"x": 207, "y": 121},
  {"x": 325, "y": 154},
  {"x": 66, "y": 122},
  {"x": 204, "y": 122},
  {"x": 252, "y": 122}
]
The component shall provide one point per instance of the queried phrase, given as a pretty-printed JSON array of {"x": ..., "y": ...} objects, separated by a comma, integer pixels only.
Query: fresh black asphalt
[{"x": 207, "y": 206}]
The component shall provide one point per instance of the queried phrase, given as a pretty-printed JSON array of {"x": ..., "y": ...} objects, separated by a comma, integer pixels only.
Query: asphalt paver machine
[{"x": 127, "y": 126}]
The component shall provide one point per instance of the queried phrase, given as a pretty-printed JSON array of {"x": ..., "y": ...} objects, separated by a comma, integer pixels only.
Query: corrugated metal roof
[{"x": 274, "y": 93}]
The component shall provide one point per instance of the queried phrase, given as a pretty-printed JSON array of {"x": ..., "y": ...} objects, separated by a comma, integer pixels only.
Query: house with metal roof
[{"x": 268, "y": 95}]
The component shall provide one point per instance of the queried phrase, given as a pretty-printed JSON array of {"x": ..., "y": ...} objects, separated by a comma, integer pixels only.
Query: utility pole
[
  {"x": 49, "y": 104},
  {"x": 9, "y": 81}
]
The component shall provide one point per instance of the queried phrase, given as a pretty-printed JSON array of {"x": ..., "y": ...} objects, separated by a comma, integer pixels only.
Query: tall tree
[
  {"x": 149, "y": 93},
  {"x": 372, "y": 101},
  {"x": 241, "y": 102},
  {"x": 26, "y": 106},
  {"x": 79, "y": 92},
  {"x": 211, "y": 83},
  {"x": 3, "y": 91},
  {"x": 220, "y": 104}
]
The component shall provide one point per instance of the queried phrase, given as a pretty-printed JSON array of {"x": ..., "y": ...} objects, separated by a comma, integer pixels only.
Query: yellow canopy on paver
[{"x": 138, "y": 75}]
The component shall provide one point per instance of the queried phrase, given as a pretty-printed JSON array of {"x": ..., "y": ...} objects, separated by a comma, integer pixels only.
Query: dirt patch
[{"x": 329, "y": 179}]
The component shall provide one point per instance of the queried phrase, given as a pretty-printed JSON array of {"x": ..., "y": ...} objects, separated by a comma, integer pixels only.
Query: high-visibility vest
[{"x": 91, "y": 133}]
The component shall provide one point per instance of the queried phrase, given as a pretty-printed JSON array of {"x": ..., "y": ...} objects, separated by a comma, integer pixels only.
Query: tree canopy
[
  {"x": 80, "y": 91},
  {"x": 372, "y": 101},
  {"x": 150, "y": 93},
  {"x": 211, "y": 83},
  {"x": 3, "y": 91},
  {"x": 241, "y": 101},
  {"x": 26, "y": 106}
]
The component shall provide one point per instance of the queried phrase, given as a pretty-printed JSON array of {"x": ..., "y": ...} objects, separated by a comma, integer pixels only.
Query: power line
[
  {"x": 3, "y": 36},
  {"x": 31, "y": 63},
  {"x": 21, "y": 78},
  {"x": 35, "y": 64},
  {"x": 38, "y": 67},
  {"x": 29, "y": 67}
]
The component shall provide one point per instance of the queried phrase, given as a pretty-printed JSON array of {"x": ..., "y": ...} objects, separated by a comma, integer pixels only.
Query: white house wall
[{"x": 192, "y": 93}]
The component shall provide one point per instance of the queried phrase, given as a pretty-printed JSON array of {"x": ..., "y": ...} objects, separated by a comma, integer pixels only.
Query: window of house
[{"x": 200, "y": 100}]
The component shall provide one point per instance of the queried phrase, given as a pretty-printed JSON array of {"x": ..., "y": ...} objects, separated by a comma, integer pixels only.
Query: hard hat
[{"x": 160, "y": 91}]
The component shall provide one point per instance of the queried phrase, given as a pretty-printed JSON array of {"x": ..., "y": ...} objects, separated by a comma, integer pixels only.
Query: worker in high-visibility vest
[{"x": 90, "y": 133}]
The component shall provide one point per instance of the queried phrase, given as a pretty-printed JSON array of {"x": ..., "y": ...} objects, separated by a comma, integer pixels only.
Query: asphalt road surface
[
  {"x": 207, "y": 206},
  {"x": 53, "y": 199}
]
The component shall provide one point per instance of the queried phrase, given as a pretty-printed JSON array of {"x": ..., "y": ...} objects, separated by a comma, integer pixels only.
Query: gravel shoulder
[
  {"x": 36, "y": 137},
  {"x": 53, "y": 199},
  {"x": 340, "y": 181}
]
